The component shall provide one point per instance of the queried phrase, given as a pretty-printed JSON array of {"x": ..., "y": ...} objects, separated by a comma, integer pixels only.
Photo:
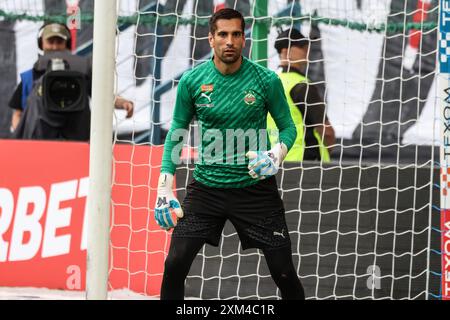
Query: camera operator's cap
[
  {"x": 55, "y": 30},
  {"x": 290, "y": 38}
]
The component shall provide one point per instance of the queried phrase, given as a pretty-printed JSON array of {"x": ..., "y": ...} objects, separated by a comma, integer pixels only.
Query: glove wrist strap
[
  {"x": 280, "y": 150},
  {"x": 165, "y": 181}
]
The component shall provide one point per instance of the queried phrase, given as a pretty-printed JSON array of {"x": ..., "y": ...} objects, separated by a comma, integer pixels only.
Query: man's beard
[{"x": 230, "y": 59}]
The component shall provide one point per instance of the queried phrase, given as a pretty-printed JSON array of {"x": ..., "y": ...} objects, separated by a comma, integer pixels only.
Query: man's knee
[
  {"x": 181, "y": 254},
  {"x": 172, "y": 260}
]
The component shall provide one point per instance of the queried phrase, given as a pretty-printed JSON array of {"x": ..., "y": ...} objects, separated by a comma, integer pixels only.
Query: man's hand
[
  {"x": 166, "y": 202},
  {"x": 17, "y": 114},
  {"x": 264, "y": 164},
  {"x": 124, "y": 104}
]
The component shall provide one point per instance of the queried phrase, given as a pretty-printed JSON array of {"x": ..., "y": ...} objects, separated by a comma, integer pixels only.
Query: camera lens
[{"x": 64, "y": 91}]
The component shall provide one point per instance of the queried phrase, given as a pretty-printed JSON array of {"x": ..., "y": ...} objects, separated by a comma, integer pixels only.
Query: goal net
[{"x": 366, "y": 224}]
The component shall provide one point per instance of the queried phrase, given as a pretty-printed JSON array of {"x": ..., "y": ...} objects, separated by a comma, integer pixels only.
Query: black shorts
[{"x": 256, "y": 212}]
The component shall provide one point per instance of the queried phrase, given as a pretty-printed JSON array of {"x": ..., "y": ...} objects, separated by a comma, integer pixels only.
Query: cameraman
[{"x": 40, "y": 123}]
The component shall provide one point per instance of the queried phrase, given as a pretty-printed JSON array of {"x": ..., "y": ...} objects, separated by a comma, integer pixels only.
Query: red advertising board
[{"x": 43, "y": 189}]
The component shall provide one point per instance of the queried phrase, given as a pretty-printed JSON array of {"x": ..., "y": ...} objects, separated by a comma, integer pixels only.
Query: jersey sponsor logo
[
  {"x": 249, "y": 97},
  {"x": 207, "y": 87},
  {"x": 208, "y": 97},
  {"x": 205, "y": 100}
]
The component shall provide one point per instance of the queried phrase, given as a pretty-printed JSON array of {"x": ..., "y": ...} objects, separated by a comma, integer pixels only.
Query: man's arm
[
  {"x": 279, "y": 110},
  {"x": 263, "y": 164},
  {"x": 167, "y": 207},
  {"x": 326, "y": 131},
  {"x": 15, "y": 119},
  {"x": 15, "y": 103},
  {"x": 119, "y": 102},
  {"x": 313, "y": 111},
  {"x": 182, "y": 116}
]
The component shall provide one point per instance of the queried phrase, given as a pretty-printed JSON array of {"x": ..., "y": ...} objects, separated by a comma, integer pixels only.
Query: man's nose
[
  {"x": 229, "y": 41},
  {"x": 52, "y": 45}
]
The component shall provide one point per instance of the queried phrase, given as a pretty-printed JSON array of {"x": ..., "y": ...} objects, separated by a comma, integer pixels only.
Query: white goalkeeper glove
[
  {"x": 166, "y": 202},
  {"x": 264, "y": 164}
]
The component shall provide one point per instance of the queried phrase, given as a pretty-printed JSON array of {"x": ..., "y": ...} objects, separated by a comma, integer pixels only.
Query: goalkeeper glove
[
  {"x": 166, "y": 202},
  {"x": 264, "y": 164}
]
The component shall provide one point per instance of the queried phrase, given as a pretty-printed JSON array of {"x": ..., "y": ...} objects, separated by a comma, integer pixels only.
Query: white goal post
[{"x": 100, "y": 155}]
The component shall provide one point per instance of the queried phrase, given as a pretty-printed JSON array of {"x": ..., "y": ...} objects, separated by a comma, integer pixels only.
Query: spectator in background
[
  {"x": 315, "y": 135},
  {"x": 31, "y": 117}
]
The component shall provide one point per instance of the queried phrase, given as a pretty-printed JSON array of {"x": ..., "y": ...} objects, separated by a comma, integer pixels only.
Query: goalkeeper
[{"x": 228, "y": 92}]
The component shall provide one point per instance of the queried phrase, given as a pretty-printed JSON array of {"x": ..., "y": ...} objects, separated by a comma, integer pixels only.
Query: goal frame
[{"x": 100, "y": 151}]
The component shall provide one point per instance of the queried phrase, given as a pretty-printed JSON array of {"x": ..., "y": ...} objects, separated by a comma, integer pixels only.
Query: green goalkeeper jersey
[{"x": 232, "y": 115}]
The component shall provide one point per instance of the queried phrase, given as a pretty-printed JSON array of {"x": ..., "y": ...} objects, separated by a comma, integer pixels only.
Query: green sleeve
[
  {"x": 279, "y": 110},
  {"x": 182, "y": 116}
]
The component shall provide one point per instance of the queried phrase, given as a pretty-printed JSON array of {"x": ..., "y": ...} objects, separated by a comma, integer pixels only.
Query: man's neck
[
  {"x": 227, "y": 68},
  {"x": 291, "y": 67}
]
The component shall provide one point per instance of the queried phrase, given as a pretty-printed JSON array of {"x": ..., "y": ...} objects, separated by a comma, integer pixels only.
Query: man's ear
[
  {"x": 283, "y": 54},
  {"x": 211, "y": 40}
]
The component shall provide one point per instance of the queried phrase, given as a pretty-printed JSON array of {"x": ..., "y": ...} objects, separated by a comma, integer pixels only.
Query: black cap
[{"x": 290, "y": 37}]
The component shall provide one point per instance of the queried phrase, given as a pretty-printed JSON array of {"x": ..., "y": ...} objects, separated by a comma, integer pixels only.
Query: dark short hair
[
  {"x": 290, "y": 38},
  {"x": 227, "y": 14}
]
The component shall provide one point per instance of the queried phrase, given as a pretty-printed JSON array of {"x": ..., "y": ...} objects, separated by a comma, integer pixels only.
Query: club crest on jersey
[
  {"x": 207, "y": 87},
  {"x": 249, "y": 97}
]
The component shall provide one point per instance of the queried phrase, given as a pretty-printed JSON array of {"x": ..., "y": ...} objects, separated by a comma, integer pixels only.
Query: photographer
[{"x": 52, "y": 100}]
